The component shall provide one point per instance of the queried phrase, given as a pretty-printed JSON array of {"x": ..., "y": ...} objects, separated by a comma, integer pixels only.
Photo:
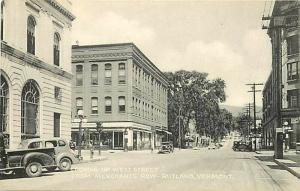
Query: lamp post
[{"x": 80, "y": 116}]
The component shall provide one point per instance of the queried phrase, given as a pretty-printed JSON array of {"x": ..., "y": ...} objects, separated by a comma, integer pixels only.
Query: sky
[{"x": 221, "y": 38}]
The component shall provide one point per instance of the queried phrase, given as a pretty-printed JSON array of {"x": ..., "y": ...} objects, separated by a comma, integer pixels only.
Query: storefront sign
[
  {"x": 278, "y": 130},
  {"x": 294, "y": 120}
]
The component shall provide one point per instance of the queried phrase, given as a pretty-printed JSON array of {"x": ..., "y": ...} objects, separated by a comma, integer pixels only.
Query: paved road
[{"x": 183, "y": 170}]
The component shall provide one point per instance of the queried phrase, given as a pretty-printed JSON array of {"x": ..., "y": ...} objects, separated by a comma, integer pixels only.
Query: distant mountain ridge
[{"x": 235, "y": 110}]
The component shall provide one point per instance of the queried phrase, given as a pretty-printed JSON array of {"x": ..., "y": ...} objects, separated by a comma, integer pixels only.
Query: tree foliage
[{"x": 197, "y": 98}]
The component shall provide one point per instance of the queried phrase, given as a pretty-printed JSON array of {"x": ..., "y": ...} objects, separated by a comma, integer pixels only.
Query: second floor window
[
  {"x": 293, "y": 98},
  {"x": 56, "y": 49},
  {"x": 122, "y": 75},
  {"x": 31, "y": 35},
  {"x": 122, "y": 107},
  {"x": 292, "y": 70},
  {"x": 94, "y": 74},
  {"x": 107, "y": 74},
  {"x": 108, "y": 108},
  {"x": 94, "y": 105},
  {"x": 79, "y": 104},
  {"x": 79, "y": 75},
  {"x": 292, "y": 45}
]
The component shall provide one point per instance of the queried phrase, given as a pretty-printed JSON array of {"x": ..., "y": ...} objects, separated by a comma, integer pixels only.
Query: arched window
[
  {"x": 56, "y": 49},
  {"x": 94, "y": 74},
  {"x": 3, "y": 104},
  {"x": 30, "y": 110},
  {"x": 2, "y": 19},
  {"x": 31, "y": 34}
]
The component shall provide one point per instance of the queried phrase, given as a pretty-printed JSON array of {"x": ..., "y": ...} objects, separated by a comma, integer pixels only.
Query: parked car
[
  {"x": 166, "y": 147},
  {"x": 64, "y": 155},
  {"x": 31, "y": 161},
  {"x": 242, "y": 146}
]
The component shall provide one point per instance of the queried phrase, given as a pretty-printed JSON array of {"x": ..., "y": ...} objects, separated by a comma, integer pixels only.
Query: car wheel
[
  {"x": 65, "y": 164},
  {"x": 33, "y": 169},
  {"x": 51, "y": 169}
]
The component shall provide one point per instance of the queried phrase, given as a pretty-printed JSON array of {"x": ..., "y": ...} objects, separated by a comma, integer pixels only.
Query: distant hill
[{"x": 235, "y": 110}]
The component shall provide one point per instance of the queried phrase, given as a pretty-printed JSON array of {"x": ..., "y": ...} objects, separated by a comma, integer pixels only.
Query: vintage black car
[
  {"x": 29, "y": 161},
  {"x": 166, "y": 147},
  {"x": 241, "y": 146}
]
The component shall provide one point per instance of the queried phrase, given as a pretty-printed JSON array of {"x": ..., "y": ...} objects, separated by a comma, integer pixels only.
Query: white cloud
[{"x": 109, "y": 27}]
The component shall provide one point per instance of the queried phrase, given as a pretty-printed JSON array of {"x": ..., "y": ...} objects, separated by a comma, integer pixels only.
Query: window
[
  {"x": 4, "y": 93},
  {"x": 122, "y": 75},
  {"x": 56, "y": 49},
  {"x": 50, "y": 144},
  {"x": 94, "y": 74},
  {"x": 107, "y": 74},
  {"x": 79, "y": 104},
  {"x": 79, "y": 75},
  {"x": 57, "y": 94},
  {"x": 2, "y": 19},
  {"x": 31, "y": 35},
  {"x": 56, "y": 125},
  {"x": 94, "y": 105},
  {"x": 62, "y": 143},
  {"x": 108, "y": 108},
  {"x": 35, "y": 145},
  {"x": 292, "y": 98},
  {"x": 122, "y": 108},
  {"x": 292, "y": 45},
  {"x": 291, "y": 19},
  {"x": 30, "y": 110},
  {"x": 292, "y": 70}
]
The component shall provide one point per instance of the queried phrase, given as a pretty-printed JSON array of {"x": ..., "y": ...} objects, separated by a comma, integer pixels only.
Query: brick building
[
  {"x": 35, "y": 69},
  {"x": 119, "y": 86},
  {"x": 281, "y": 95}
]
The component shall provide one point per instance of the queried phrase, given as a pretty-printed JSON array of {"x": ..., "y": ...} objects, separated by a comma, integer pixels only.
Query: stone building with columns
[
  {"x": 117, "y": 85},
  {"x": 35, "y": 69}
]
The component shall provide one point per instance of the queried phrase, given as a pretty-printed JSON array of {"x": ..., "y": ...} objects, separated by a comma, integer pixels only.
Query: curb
[
  {"x": 92, "y": 160},
  {"x": 287, "y": 168}
]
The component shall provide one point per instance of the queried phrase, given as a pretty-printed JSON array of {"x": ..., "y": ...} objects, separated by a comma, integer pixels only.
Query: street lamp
[{"x": 80, "y": 116}]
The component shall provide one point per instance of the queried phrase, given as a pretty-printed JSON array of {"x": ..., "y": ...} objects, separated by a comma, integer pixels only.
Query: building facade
[
  {"x": 281, "y": 96},
  {"x": 35, "y": 69},
  {"x": 117, "y": 85}
]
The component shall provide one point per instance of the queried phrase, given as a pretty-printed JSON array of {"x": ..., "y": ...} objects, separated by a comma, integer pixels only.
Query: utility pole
[
  {"x": 254, "y": 90},
  {"x": 248, "y": 112}
]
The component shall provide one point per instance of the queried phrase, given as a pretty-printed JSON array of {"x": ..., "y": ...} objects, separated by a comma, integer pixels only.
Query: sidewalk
[
  {"x": 290, "y": 161},
  {"x": 86, "y": 156}
]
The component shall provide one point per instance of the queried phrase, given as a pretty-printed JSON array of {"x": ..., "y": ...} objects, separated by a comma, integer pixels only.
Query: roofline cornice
[{"x": 61, "y": 9}]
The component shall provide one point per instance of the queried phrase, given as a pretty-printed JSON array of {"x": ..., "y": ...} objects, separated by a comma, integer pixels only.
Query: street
[{"x": 221, "y": 169}]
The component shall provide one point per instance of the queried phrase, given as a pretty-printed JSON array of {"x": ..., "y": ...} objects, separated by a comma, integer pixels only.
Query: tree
[{"x": 196, "y": 97}]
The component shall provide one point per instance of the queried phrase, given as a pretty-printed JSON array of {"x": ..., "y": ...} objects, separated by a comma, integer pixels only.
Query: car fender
[
  {"x": 44, "y": 159},
  {"x": 67, "y": 155}
]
